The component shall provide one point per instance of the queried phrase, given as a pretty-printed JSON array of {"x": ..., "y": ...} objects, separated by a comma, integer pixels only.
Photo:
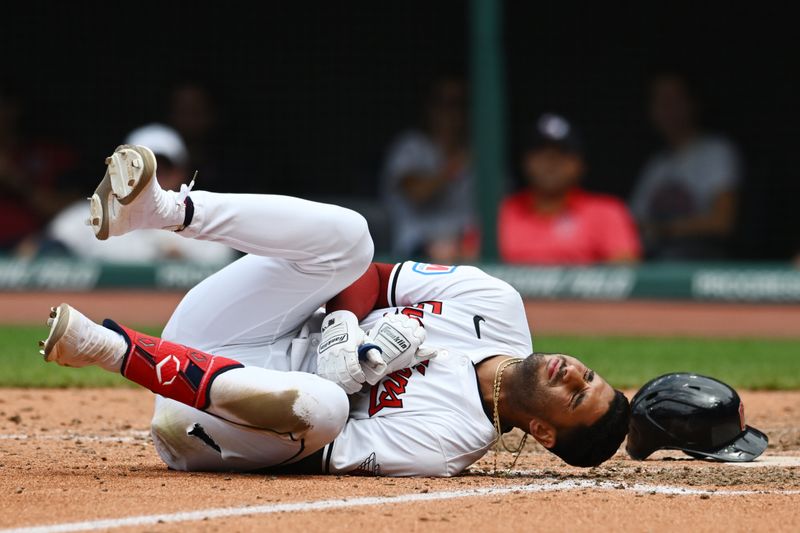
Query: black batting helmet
[{"x": 700, "y": 415}]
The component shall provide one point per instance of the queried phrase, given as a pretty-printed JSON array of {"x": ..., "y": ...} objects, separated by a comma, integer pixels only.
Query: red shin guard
[{"x": 172, "y": 370}]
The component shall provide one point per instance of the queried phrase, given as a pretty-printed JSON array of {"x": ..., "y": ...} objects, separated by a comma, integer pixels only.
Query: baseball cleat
[
  {"x": 76, "y": 341},
  {"x": 129, "y": 196}
]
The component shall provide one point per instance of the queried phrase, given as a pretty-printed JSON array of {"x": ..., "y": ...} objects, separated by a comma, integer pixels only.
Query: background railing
[{"x": 726, "y": 282}]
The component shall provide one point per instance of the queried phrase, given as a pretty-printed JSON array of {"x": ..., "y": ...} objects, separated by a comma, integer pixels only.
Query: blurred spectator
[
  {"x": 193, "y": 113},
  {"x": 69, "y": 228},
  {"x": 427, "y": 180},
  {"x": 686, "y": 198},
  {"x": 31, "y": 176},
  {"x": 554, "y": 221}
]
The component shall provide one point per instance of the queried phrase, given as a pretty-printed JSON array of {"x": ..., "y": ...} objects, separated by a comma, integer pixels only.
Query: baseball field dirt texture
[{"x": 76, "y": 459}]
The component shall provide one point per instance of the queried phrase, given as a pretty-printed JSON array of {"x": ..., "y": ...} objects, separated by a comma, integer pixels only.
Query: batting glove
[
  {"x": 399, "y": 339},
  {"x": 337, "y": 353}
]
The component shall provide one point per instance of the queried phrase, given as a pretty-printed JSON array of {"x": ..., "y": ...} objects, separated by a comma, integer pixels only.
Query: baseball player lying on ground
[{"x": 244, "y": 381}]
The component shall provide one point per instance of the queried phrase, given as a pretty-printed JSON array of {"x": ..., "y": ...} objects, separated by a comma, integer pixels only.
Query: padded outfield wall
[
  {"x": 676, "y": 300},
  {"x": 726, "y": 282}
]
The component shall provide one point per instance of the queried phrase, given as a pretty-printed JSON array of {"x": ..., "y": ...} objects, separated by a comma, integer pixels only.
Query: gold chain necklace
[{"x": 498, "y": 378}]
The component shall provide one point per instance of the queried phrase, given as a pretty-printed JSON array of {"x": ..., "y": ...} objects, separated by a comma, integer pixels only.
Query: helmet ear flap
[
  {"x": 646, "y": 432},
  {"x": 637, "y": 444}
]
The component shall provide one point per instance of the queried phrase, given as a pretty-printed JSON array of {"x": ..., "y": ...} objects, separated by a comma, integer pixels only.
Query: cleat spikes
[
  {"x": 53, "y": 312},
  {"x": 41, "y": 344},
  {"x": 130, "y": 172}
]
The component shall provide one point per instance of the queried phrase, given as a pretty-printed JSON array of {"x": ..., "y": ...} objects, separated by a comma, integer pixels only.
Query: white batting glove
[
  {"x": 337, "y": 353},
  {"x": 399, "y": 339}
]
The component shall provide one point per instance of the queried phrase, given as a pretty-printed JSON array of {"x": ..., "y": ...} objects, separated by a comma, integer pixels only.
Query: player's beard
[{"x": 532, "y": 394}]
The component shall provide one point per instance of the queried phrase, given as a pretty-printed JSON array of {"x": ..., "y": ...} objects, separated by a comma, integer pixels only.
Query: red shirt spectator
[
  {"x": 553, "y": 220},
  {"x": 592, "y": 228}
]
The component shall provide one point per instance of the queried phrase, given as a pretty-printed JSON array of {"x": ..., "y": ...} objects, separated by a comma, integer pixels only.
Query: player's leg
[
  {"x": 306, "y": 253},
  {"x": 302, "y": 253},
  {"x": 270, "y": 418},
  {"x": 192, "y": 440},
  {"x": 317, "y": 250},
  {"x": 250, "y": 417},
  {"x": 242, "y": 310}
]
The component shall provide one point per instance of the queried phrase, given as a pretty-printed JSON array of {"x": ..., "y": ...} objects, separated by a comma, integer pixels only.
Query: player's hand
[
  {"x": 337, "y": 353},
  {"x": 399, "y": 339}
]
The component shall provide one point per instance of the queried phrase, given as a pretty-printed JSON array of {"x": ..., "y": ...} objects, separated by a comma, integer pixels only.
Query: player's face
[
  {"x": 570, "y": 393},
  {"x": 551, "y": 170}
]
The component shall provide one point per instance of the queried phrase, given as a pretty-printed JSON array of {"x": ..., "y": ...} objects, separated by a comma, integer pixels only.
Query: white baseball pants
[{"x": 300, "y": 254}]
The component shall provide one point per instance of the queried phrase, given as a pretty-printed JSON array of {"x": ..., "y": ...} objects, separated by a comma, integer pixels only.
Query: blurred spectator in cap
[
  {"x": 553, "y": 220},
  {"x": 32, "y": 175},
  {"x": 69, "y": 228},
  {"x": 685, "y": 200},
  {"x": 427, "y": 180}
]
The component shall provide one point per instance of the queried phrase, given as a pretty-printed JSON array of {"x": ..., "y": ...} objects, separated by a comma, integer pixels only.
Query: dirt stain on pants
[{"x": 274, "y": 411}]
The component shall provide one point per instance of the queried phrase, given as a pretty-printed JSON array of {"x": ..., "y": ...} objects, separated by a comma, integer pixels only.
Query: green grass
[
  {"x": 628, "y": 362},
  {"x": 624, "y": 361},
  {"x": 22, "y": 366}
]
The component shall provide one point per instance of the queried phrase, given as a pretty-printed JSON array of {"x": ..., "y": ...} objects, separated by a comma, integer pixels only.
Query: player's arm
[
  {"x": 499, "y": 317},
  {"x": 409, "y": 283},
  {"x": 368, "y": 292},
  {"x": 351, "y": 358}
]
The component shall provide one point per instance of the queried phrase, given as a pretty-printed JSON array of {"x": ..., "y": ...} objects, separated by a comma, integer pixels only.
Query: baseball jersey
[{"x": 429, "y": 420}]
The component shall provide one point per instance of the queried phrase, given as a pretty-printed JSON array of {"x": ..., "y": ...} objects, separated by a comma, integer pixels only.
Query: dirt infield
[
  {"x": 73, "y": 460},
  {"x": 70, "y": 456},
  {"x": 656, "y": 318}
]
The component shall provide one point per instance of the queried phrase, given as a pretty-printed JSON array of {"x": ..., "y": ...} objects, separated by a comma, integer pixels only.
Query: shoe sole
[
  {"x": 58, "y": 322},
  {"x": 129, "y": 170}
]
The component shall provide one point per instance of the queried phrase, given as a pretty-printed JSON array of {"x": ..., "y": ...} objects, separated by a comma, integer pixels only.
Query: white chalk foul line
[
  {"x": 769, "y": 461},
  {"x": 131, "y": 436},
  {"x": 545, "y": 485}
]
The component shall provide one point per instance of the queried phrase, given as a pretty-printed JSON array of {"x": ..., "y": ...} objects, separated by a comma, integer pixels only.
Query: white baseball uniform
[
  {"x": 263, "y": 311},
  {"x": 429, "y": 420}
]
